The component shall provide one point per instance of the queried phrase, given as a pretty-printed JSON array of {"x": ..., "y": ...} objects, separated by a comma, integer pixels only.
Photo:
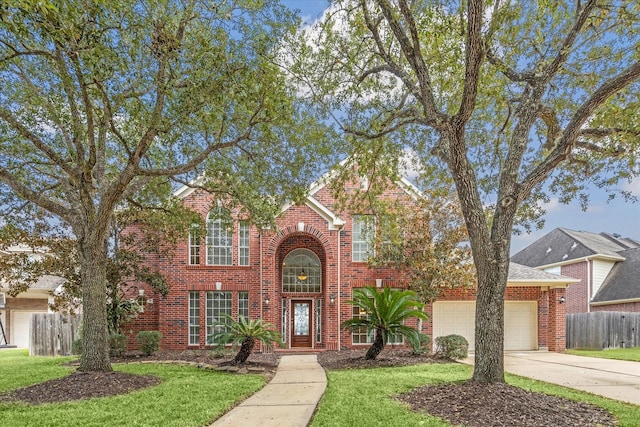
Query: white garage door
[
  {"x": 20, "y": 325},
  {"x": 458, "y": 317}
]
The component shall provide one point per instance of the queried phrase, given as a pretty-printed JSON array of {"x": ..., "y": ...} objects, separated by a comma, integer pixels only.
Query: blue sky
[{"x": 616, "y": 216}]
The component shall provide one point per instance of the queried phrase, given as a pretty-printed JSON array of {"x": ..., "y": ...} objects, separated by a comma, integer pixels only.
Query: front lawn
[
  {"x": 187, "y": 396},
  {"x": 357, "y": 397},
  {"x": 631, "y": 354}
]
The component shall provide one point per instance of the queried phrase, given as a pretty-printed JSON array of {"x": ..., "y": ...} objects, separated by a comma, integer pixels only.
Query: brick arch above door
[{"x": 286, "y": 232}]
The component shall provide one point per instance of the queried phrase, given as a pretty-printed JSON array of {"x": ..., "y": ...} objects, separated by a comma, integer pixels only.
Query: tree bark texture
[
  {"x": 95, "y": 335},
  {"x": 376, "y": 347},
  {"x": 245, "y": 351}
]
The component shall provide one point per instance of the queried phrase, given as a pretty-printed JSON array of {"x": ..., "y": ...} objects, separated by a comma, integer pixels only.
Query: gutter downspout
[
  {"x": 339, "y": 285},
  {"x": 261, "y": 284},
  {"x": 589, "y": 285}
]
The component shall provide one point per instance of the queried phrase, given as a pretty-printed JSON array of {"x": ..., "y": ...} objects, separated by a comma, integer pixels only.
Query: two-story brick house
[{"x": 300, "y": 274}]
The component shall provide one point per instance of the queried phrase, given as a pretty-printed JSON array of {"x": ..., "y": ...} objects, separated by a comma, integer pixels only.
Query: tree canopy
[
  {"x": 512, "y": 101},
  {"x": 103, "y": 102}
]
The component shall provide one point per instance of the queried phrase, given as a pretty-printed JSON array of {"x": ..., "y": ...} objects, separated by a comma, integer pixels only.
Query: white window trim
[
  {"x": 192, "y": 246},
  {"x": 220, "y": 222},
  {"x": 240, "y": 247},
  {"x": 356, "y": 219}
]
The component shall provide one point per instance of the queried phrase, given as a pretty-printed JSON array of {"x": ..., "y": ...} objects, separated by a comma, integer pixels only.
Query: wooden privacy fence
[
  {"x": 51, "y": 334},
  {"x": 603, "y": 329}
]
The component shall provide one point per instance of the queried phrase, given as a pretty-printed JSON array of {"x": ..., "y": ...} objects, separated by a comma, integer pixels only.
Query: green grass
[
  {"x": 191, "y": 397},
  {"x": 632, "y": 354},
  {"x": 365, "y": 396},
  {"x": 17, "y": 369},
  {"x": 187, "y": 396}
]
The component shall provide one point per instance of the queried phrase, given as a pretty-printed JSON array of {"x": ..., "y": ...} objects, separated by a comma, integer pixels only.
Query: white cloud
[
  {"x": 633, "y": 186},
  {"x": 552, "y": 205}
]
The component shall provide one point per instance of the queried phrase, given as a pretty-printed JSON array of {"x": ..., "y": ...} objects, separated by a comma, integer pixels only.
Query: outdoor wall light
[
  {"x": 332, "y": 299},
  {"x": 561, "y": 300},
  {"x": 266, "y": 301}
]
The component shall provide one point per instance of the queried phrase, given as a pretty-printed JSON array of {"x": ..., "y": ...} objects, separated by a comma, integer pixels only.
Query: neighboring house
[
  {"x": 607, "y": 265},
  {"x": 15, "y": 313},
  {"x": 300, "y": 275}
]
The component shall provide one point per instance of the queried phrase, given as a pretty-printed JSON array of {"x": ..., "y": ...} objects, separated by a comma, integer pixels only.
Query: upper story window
[
  {"x": 243, "y": 243},
  {"x": 219, "y": 238},
  {"x": 301, "y": 272},
  {"x": 194, "y": 247},
  {"x": 363, "y": 232}
]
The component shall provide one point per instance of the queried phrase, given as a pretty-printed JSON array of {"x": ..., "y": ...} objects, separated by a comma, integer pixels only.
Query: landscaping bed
[{"x": 459, "y": 403}]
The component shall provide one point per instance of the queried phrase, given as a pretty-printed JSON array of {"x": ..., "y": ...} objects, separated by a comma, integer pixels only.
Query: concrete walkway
[
  {"x": 615, "y": 379},
  {"x": 289, "y": 400}
]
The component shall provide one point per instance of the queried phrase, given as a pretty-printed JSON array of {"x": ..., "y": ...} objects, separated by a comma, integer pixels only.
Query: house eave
[
  {"x": 541, "y": 283},
  {"x": 617, "y": 301},
  {"x": 582, "y": 259}
]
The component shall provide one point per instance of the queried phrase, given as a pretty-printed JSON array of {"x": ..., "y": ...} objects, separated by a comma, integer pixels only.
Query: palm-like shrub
[
  {"x": 386, "y": 310},
  {"x": 244, "y": 332}
]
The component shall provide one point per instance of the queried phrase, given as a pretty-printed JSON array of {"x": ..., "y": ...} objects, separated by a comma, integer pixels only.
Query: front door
[{"x": 301, "y": 323}]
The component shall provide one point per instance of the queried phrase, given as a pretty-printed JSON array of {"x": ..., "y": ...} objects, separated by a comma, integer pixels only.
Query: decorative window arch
[
  {"x": 301, "y": 272},
  {"x": 219, "y": 237}
]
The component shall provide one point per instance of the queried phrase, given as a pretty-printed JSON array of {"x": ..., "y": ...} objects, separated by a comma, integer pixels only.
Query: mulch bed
[
  {"x": 467, "y": 404},
  {"x": 484, "y": 405}
]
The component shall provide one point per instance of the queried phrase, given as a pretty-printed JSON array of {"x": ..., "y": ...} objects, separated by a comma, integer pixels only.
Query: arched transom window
[{"x": 301, "y": 272}]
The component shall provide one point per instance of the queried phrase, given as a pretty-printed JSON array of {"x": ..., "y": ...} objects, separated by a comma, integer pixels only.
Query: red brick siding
[
  {"x": 262, "y": 278},
  {"x": 577, "y": 299}
]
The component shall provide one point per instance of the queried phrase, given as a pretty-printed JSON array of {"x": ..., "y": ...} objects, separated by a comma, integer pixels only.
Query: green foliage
[
  {"x": 455, "y": 347},
  {"x": 632, "y": 354},
  {"x": 149, "y": 341},
  {"x": 423, "y": 346},
  {"x": 244, "y": 332},
  {"x": 386, "y": 311},
  {"x": 186, "y": 396},
  {"x": 76, "y": 347},
  {"x": 110, "y": 105},
  {"x": 514, "y": 102},
  {"x": 117, "y": 345}
]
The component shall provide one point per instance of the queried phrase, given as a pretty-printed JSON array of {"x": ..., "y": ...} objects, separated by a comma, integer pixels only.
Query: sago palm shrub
[
  {"x": 384, "y": 312},
  {"x": 244, "y": 332}
]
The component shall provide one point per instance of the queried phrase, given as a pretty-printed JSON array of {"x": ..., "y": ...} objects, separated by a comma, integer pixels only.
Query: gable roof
[
  {"x": 563, "y": 245},
  {"x": 521, "y": 275},
  {"x": 623, "y": 282},
  {"x": 335, "y": 222}
]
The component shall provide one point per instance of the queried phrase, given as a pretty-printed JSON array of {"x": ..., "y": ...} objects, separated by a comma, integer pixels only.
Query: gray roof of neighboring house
[
  {"x": 623, "y": 282},
  {"x": 44, "y": 283},
  {"x": 522, "y": 273},
  {"x": 562, "y": 244}
]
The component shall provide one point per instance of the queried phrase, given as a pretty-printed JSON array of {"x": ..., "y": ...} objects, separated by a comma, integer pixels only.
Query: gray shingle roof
[
  {"x": 562, "y": 244},
  {"x": 623, "y": 282},
  {"x": 522, "y": 273}
]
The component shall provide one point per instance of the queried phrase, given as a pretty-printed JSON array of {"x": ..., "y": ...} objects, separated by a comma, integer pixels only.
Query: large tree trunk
[
  {"x": 490, "y": 243},
  {"x": 489, "y": 331},
  {"x": 95, "y": 335},
  {"x": 376, "y": 347}
]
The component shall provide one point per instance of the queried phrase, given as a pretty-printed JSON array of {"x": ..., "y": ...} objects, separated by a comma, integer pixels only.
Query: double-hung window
[
  {"x": 194, "y": 246},
  {"x": 218, "y": 304},
  {"x": 243, "y": 243},
  {"x": 194, "y": 318},
  {"x": 363, "y": 231},
  {"x": 219, "y": 238}
]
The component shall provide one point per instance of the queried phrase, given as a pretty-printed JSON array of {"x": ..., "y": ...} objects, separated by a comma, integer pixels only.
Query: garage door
[
  {"x": 20, "y": 325},
  {"x": 458, "y": 317}
]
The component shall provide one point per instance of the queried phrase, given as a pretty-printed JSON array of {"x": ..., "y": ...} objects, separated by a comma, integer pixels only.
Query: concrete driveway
[{"x": 615, "y": 379}]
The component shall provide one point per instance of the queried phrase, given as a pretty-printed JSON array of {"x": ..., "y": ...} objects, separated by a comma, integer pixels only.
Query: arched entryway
[{"x": 301, "y": 272}]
